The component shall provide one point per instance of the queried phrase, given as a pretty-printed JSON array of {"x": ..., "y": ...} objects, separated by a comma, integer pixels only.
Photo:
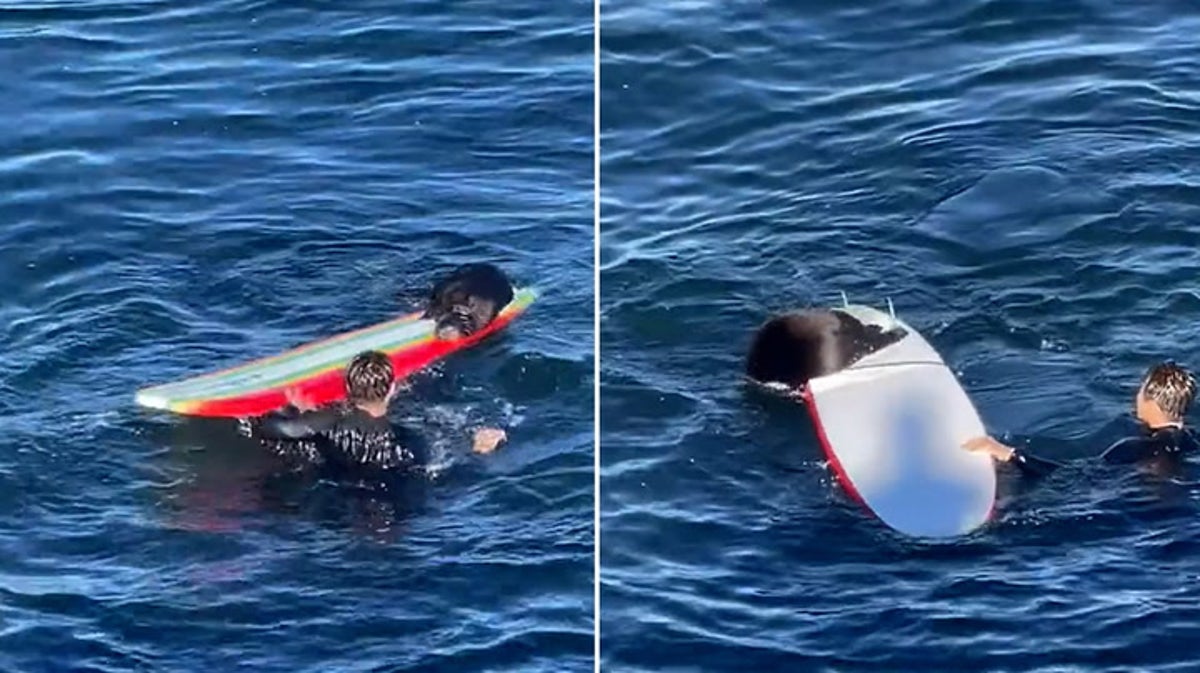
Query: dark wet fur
[
  {"x": 465, "y": 301},
  {"x": 796, "y": 347}
]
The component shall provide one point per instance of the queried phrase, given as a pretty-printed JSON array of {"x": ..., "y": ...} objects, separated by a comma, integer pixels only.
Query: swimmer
[
  {"x": 353, "y": 434},
  {"x": 468, "y": 300},
  {"x": 1160, "y": 405}
]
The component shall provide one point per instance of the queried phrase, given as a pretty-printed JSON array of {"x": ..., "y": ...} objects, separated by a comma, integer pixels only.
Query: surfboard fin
[
  {"x": 891, "y": 309},
  {"x": 845, "y": 300}
]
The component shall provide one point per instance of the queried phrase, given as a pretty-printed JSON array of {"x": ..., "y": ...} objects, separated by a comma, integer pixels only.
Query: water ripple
[
  {"x": 191, "y": 185},
  {"x": 1014, "y": 176}
]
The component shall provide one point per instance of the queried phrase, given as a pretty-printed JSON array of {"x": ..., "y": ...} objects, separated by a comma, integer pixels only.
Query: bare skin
[
  {"x": 1145, "y": 409},
  {"x": 487, "y": 439}
]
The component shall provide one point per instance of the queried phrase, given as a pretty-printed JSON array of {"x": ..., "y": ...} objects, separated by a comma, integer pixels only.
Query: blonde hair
[{"x": 1171, "y": 387}]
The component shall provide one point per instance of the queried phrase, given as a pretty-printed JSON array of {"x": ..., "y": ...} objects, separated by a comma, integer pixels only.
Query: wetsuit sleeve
[
  {"x": 296, "y": 425},
  {"x": 1129, "y": 450},
  {"x": 413, "y": 443},
  {"x": 1031, "y": 465}
]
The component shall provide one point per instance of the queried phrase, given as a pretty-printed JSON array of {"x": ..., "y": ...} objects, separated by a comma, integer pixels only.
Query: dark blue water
[
  {"x": 187, "y": 185},
  {"x": 1020, "y": 178}
]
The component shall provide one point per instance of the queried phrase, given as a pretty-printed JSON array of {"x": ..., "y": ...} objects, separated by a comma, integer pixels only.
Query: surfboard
[
  {"x": 315, "y": 370},
  {"x": 892, "y": 426}
]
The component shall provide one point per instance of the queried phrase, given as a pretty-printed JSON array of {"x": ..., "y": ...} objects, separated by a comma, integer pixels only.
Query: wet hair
[
  {"x": 1171, "y": 387},
  {"x": 369, "y": 377}
]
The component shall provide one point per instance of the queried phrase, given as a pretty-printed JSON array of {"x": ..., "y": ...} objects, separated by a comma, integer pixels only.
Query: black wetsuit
[
  {"x": 340, "y": 436},
  {"x": 1166, "y": 442}
]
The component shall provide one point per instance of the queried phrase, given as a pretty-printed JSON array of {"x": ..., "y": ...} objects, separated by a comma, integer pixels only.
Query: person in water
[
  {"x": 1160, "y": 405},
  {"x": 355, "y": 433}
]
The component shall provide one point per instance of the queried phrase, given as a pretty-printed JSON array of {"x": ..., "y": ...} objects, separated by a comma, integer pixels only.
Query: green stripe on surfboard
[
  {"x": 285, "y": 364},
  {"x": 309, "y": 360},
  {"x": 292, "y": 369},
  {"x": 307, "y": 349},
  {"x": 304, "y": 362}
]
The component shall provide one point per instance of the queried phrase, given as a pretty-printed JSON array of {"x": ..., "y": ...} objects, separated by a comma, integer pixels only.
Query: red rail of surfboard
[{"x": 329, "y": 386}]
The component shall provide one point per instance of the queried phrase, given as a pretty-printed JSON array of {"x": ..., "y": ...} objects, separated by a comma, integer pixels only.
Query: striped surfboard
[{"x": 315, "y": 370}]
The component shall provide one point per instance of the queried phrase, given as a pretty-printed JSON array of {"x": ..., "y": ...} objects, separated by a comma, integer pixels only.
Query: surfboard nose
[{"x": 151, "y": 401}]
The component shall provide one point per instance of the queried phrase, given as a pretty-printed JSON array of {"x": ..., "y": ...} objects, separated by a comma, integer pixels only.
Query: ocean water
[
  {"x": 1019, "y": 178},
  {"x": 189, "y": 185}
]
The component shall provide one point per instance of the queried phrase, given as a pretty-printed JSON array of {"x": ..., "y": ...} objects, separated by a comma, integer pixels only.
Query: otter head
[
  {"x": 793, "y": 348},
  {"x": 457, "y": 323}
]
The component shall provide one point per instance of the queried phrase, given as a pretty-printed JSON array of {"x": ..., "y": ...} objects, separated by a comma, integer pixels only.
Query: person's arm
[
  {"x": 1029, "y": 464},
  {"x": 1145, "y": 447},
  {"x": 413, "y": 445},
  {"x": 1033, "y": 466},
  {"x": 1129, "y": 450},
  {"x": 283, "y": 425}
]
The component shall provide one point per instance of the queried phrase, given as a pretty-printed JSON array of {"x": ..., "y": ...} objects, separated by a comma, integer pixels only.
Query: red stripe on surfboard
[
  {"x": 329, "y": 387},
  {"x": 827, "y": 447}
]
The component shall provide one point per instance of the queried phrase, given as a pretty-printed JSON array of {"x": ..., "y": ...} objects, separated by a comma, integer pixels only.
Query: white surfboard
[{"x": 892, "y": 426}]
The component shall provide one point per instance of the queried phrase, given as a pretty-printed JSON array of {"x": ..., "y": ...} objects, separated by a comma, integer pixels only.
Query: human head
[
  {"x": 1165, "y": 394},
  {"x": 369, "y": 378}
]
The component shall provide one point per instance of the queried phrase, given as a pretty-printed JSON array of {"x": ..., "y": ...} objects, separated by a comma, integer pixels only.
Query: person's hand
[
  {"x": 989, "y": 446},
  {"x": 487, "y": 439},
  {"x": 298, "y": 400}
]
